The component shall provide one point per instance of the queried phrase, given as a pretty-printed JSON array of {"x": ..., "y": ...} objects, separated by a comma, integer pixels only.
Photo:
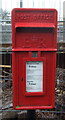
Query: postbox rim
[{"x": 44, "y": 25}]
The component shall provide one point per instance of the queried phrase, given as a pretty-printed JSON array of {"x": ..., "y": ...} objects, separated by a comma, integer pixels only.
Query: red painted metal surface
[{"x": 34, "y": 31}]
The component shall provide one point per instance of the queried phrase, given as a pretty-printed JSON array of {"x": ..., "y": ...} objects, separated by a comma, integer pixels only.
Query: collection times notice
[{"x": 34, "y": 76}]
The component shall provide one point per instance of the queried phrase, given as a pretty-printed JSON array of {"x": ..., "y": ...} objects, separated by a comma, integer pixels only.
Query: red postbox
[{"x": 34, "y": 34}]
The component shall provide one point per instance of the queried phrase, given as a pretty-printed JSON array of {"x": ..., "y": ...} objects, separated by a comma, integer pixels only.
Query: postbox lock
[{"x": 22, "y": 78}]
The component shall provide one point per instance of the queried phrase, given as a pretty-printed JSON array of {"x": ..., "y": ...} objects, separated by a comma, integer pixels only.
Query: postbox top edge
[{"x": 34, "y": 9}]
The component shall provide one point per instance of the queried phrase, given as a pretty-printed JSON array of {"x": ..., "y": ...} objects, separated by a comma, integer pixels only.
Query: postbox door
[{"x": 30, "y": 96}]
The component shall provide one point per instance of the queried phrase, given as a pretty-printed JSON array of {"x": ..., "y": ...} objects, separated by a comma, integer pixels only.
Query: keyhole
[{"x": 22, "y": 79}]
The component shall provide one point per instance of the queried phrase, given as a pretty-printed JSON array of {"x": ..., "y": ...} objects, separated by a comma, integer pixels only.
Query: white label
[{"x": 34, "y": 76}]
